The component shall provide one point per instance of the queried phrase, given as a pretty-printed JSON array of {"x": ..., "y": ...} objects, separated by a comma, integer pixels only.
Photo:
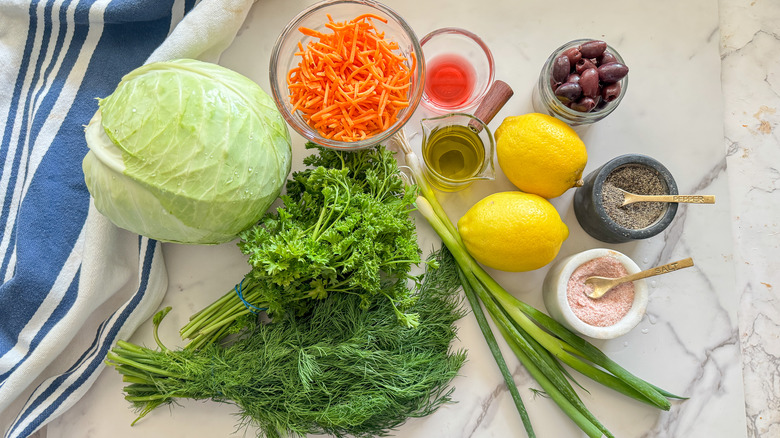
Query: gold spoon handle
[
  {"x": 658, "y": 270},
  {"x": 630, "y": 198},
  {"x": 601, "y": 285}
]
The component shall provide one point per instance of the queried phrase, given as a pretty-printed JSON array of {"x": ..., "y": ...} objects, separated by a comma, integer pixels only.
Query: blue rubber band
[{"x": 248, "y": 305}]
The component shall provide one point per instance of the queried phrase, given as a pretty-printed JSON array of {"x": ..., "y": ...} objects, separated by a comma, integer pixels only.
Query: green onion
[
  {"x": 539, "y": 342},
  {"x": 479, "y": 315}
]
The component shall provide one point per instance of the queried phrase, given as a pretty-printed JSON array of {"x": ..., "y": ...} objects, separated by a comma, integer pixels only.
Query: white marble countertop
[
  {"x": 750, "y": 71},
  {"x": 736, "y": 243}
]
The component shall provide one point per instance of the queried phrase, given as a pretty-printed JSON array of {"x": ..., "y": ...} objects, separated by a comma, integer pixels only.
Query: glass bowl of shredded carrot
[{"x": 347, "y": 74}]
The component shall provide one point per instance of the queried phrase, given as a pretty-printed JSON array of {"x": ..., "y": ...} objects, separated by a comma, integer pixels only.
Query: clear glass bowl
[
  {"x": 544, "y": 99},
  {"x": 283, "y": 59},
  {"x": 465, "y": 46}
]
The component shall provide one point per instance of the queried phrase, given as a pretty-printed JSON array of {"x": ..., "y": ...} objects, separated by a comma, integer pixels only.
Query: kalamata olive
[
  {"x": 592, "y": 49},
  {"x": 583, "y": 65},
  {"x": 584, "y": 105},
  {"x": 587, "y": 77},
  {"x": 568, "y": 92},
  {"x": 561, "y": 68},
  {"x": 610, "y": 92},
  {"x": 573, "y": 54},
  {"x": 606, "y": 58},
  {"x": 612, "y": 72},
  {"x": 589, "y": 81}
]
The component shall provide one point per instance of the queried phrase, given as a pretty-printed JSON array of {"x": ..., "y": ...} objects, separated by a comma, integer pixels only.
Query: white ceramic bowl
[{"x": 557, "y": 302}]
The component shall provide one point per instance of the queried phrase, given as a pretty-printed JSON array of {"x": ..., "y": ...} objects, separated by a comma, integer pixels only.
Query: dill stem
[
  {"x": 149, "y": 398},
  {"x": 144, "y": 358},
  {"x": 138, "y": 355},
  {"x": 141, "y": 389},
  {"x": 129, "y": 372},
  {"x": 112, "y": 356},
  {"x": 137, "y": 382},
  {"x": 133, "y": 348}
]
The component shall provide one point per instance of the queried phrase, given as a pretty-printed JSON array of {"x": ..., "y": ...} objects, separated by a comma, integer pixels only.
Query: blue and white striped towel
[{"x": 72, "y": 283}]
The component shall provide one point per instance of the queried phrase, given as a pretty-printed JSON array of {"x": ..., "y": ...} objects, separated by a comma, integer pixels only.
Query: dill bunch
[
  {"x": 343, "y": 228},
  {"x": 343, "y": 369}
]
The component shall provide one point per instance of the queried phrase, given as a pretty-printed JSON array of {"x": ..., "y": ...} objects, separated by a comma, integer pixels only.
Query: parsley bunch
[{"x": 344, "y": 227}]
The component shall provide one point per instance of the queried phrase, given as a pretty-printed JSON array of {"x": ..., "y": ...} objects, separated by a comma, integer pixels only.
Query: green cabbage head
[{"x": 186, "y": 151}]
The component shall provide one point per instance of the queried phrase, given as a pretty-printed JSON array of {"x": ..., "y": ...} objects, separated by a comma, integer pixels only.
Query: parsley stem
[{"x": 224, "y": 311}]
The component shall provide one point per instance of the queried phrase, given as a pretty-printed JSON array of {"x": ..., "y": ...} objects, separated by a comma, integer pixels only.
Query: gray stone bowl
[{"x": 593, "y": 217}]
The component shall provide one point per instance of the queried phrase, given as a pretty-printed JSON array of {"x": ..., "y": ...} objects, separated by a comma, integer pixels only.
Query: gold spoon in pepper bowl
[
  {"x": 602, "y": 285},
  {"x": 630, "y": 198}
]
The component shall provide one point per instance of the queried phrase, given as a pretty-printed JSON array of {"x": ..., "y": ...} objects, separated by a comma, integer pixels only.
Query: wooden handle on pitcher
[{"x": 494, "y": 100}]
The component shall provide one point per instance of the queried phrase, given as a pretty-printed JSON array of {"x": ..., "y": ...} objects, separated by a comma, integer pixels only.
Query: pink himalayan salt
[{"x": 610, "y": 308}]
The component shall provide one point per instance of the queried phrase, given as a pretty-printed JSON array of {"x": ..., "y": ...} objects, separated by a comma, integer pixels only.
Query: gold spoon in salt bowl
[
  {"x": 602, "y": 285},
  {"x": 630, "y": 198}
]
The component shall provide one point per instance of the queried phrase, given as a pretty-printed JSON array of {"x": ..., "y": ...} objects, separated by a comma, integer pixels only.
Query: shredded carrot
[{"x": 350, "y": 84}]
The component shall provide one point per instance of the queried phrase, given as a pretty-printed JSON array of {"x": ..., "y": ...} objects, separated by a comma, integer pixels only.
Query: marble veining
[
  {"x": 714, "y": 123},
  {"x": 486, "y": 405},
  {"x": 750, "y": 41}
]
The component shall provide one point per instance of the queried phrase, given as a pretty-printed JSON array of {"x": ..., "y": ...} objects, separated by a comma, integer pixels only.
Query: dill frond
[{"x": 342, "y": 369}]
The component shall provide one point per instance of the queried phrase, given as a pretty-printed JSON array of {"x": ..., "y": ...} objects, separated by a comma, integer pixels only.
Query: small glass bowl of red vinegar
[{"x": 459, "y": 70}]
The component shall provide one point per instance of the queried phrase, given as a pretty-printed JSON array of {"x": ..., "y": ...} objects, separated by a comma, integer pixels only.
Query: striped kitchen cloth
[{"x": 71, "y": 282}]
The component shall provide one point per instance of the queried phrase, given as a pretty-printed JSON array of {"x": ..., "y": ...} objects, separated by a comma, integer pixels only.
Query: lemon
[
  {"x": 540, "y": 154},
  {"x": 513, "y": 231}
]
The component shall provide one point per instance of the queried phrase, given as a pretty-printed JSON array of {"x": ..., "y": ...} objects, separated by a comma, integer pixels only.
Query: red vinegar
[{"x": 449, "y": 80}]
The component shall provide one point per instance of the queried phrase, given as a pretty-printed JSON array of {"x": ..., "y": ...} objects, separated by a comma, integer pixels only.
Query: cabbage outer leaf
[{"x": 186, "y": 151}]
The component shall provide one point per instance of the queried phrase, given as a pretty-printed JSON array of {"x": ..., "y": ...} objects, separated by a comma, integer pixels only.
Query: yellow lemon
[
  {"x": 540, "y": 154},
  {"x": 513, "y": 231}
]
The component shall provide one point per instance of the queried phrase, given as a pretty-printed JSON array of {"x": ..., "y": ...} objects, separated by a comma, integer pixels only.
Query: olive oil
[{"x": 454, "y": 152}]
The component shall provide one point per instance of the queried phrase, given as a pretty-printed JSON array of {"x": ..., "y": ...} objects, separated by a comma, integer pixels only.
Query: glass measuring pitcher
[{"x": 457, "y": 150}]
